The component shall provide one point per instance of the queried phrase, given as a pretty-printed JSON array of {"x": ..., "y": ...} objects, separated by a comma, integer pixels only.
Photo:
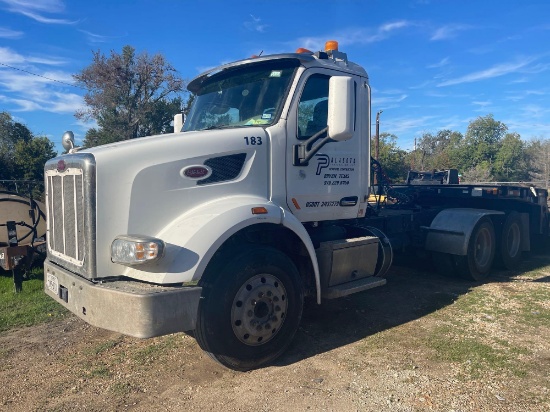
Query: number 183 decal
[{"x": 253, "y": 140}]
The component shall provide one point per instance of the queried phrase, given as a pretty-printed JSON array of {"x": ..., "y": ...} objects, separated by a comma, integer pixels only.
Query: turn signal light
[
  {"x": 260, "y": 210},
  {"x": 133, "y": 250}
]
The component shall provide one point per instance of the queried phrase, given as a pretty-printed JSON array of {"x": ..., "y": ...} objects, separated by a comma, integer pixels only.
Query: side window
[{"x": 313, "y": 106}]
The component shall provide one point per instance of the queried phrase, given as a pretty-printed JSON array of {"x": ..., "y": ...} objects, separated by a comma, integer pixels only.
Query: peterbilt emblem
[
  {"x": 61, "y": 165},
  {"x": 196, "y": 172}
]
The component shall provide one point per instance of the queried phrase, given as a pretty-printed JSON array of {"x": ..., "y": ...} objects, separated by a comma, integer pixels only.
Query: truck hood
[{"x": 141, "y": 185}]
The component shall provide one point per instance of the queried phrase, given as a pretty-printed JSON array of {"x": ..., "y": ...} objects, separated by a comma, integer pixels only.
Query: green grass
[
  {"x": 29, "y": 307},
  {"x": 100, "y": 371},
  {"x": 104, "y": 346},
  {"x": 476, "y": 356},
  {"x": 155, "y": 350},
  {"x": 124, "y": 388}
]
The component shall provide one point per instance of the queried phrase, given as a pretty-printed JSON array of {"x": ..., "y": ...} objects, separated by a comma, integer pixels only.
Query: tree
[
  {"x": 477, "y": 174},
  {"x": 538, "y": 152},
  {"x": 11, "y": 132},
  {"x": 511, "y": 163},
  {"x": 129, "y": 96},
  {"x": 30, "y": 157},
  {"x": 22, "y": 155},
  {"x": 482, "y": 140},
  {"x": 439, "y": 151},
  {"x": 392, "y": 158}
]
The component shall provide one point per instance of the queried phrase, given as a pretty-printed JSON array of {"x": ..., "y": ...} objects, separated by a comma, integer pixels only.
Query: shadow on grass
[{"x": 412, "y": 292}]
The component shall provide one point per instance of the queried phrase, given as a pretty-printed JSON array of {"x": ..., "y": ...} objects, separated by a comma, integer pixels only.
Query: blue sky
[{"x": 433, "y": 64}]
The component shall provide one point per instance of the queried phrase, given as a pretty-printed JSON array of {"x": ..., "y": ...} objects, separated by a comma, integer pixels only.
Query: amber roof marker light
[{"x": 331, "y": 45}]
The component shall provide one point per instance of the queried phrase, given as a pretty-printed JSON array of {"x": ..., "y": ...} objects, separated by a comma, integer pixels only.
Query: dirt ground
[{"x": 422, "y": 342}]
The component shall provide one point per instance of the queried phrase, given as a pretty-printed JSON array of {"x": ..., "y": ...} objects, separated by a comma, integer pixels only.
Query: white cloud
[
  {"x": 524, "y": 94},
  {"x": 35, "y": 89},
  {"x": 50, "y": 6},
  {"x": 388, "y": 27},
  {"x": 520, "y": 80},
  {"x": 95, "y": 38},
  {"x": 482, "y": 106},
  {"x": 34, "y": 9},
  {"x": 451, "y": 123},
  {"x": 495, "y": 71},
  {"x": 46, "y": 100},
  {"x": 65, "y": 103},
  {"x": 352, "y": 36},
  {"x": 482, "y": 103},
  {"x": 449, "y": 31},
  {"x": 389, "y": 100},
  {"x": 16, "y": 81},
  {"x": 443, "y": 62},
  {"x": 422, "y": 85},
  {"x": 8, "y": 56},
  {"x": 254, "y": 24},
  {"x": 6, "y": 33},
  {"x": 531, "y": 111},
  {"x": 404, "y": 124}
]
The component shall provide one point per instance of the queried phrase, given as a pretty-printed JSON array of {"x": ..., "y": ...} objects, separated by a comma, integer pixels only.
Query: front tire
[{"x": 250, "y": 309}]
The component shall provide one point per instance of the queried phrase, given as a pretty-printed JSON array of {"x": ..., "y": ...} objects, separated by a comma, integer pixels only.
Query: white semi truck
[{"x": 259, "y": 200}]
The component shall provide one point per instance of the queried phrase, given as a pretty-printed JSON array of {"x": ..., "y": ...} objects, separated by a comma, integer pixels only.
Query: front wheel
[{"x": 250, "y": 309}]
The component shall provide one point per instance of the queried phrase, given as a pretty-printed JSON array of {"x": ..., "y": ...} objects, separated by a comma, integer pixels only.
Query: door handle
[{"x": 349, "y": 201}]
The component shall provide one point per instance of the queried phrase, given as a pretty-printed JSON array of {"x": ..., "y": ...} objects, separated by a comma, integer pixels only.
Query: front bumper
[{"x": 129, "y": 307}]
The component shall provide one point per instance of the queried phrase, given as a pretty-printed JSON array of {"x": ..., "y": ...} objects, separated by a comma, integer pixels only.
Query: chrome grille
[
  {"x": 65, "y": 209},
  {"x": 70, "y": 200}
]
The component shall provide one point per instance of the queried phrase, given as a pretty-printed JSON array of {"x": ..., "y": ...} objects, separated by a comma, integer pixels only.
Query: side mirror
[
  {"x": 178, "y": 122},
  {"x": 341, "y": 108}
]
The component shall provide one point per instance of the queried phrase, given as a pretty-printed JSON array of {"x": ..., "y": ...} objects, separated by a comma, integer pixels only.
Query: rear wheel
[
  {"x": 510, "y": 251},
  {"x": 481, "y": 252},
  {"x": 250, "y": 309}
]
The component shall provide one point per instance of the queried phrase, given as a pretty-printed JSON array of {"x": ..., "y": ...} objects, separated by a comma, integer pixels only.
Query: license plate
[{"x": 52, "y": 283}]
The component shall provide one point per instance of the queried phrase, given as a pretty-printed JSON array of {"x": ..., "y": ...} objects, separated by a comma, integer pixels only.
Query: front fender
[
  {"x": 291, "y": 222},
  {"x": 192, "y": 239}
]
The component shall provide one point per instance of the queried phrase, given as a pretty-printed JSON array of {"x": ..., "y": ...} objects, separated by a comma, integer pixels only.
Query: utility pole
[
  {"x": 377, "y": 138},
  {"x": 413, "y": 157},
  {"x": 376, "y": 149}
]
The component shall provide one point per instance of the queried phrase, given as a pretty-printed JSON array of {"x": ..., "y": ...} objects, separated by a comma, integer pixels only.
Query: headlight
[{"x": 133, "y": 250}]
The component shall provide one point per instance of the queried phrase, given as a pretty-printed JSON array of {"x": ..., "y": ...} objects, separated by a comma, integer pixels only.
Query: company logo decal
[
  {"x": 323, "y": 161},
  {"x": 61, "y": 165},
  {"x": 339, "y": 169},
  {"x": 195, "y": 172}
]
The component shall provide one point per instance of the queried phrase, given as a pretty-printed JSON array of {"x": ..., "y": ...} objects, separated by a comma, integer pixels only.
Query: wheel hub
[
  {"x": 259, "y": 309},
  {"x": 483, "y": 248}
]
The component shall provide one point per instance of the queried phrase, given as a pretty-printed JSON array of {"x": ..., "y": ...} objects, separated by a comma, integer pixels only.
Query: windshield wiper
[{"x": 222, "y": 126}]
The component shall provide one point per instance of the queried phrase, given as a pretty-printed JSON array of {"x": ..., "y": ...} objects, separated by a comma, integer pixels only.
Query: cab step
[{"x": 348, "y": 288}]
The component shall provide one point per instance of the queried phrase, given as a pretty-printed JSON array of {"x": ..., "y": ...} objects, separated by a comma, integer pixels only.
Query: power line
[{"x": 44, "y": 77}]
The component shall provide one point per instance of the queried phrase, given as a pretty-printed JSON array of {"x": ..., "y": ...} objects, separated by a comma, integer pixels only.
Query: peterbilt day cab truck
[{"x": 260, "y": 200}]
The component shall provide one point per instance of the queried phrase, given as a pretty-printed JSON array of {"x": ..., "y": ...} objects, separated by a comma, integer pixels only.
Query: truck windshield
[{"x": 243, "y": 96}]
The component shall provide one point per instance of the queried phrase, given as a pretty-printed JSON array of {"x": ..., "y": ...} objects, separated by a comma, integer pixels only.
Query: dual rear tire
[{"x": 484, "y": 249}]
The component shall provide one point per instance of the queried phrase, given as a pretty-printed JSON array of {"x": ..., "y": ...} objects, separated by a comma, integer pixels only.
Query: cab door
[{"x": 331, "y": 185}]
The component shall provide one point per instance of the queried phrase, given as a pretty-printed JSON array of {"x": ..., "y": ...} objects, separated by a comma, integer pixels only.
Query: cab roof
[{"x": 333, "y": 59}]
